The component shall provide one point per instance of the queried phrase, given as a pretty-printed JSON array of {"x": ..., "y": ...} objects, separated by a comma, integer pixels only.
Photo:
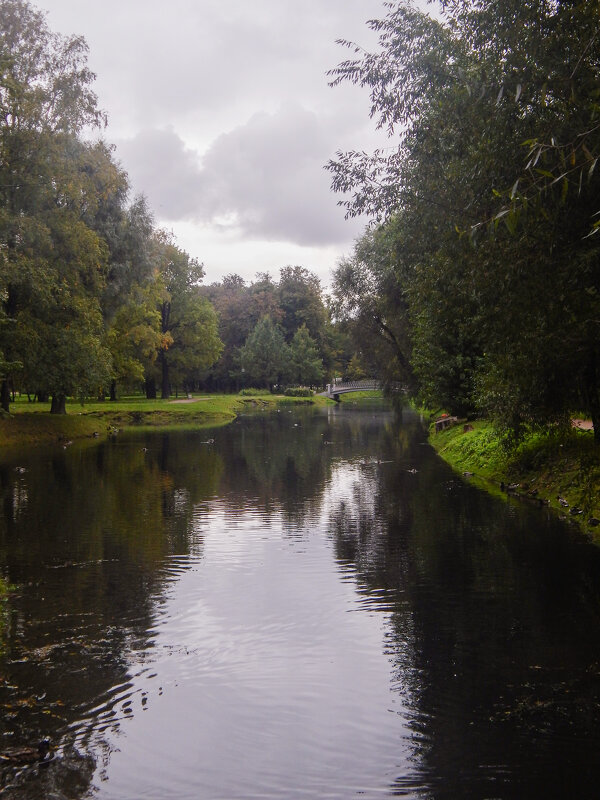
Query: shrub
[
  {"x": 252, "y": 391},
  {"x": 298, "y": 391}
]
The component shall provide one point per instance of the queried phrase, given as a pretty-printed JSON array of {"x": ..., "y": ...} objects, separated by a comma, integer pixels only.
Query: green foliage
[
  {"x": 305, "y": 366},
  {"x": 355, "y": 370},
  {"x": 293, "y": 303},
  {"x": 483, "y": 278},
  {"x": 372, "y": 302},
  {"x": 251, "y": 391},
  {"x": 90, "y": 293},
  {"x": 265, "y": 354}
]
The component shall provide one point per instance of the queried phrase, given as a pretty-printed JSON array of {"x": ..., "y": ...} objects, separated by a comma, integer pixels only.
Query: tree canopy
[
  {"x": 87, "y": 283},
  {"x": 487, "y": 258},
  {"x": 299, "y": 319}
]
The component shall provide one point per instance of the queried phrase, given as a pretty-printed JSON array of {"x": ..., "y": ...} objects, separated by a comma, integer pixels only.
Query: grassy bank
[
  {"x": 541, "y": 469},
  {"x": 355, "y": 398},
  {"x": 30, "y": 423}
]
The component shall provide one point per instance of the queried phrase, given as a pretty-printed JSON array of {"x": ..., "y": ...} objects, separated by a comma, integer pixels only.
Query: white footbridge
[{"x": 334, "y": 389}]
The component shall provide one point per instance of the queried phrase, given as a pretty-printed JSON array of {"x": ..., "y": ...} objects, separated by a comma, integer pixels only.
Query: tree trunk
[
  {"x": 113, "y": 390},
  {"x": 5, "y": 396},
  {"x": 58, "y": 404},
  {"x": 150, "y": 387},
  {"x": 165, "y": 388}
]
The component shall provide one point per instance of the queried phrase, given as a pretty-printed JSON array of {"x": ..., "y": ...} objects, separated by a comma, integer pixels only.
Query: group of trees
[
  {"x": 91, "y": 294},
  {"x": 479, "y": 281},
  {"x": 275, "y": 332}
]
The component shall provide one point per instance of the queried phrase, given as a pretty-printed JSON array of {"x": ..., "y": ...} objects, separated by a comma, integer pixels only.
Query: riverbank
[
  {"x": 31, "y": 423},
  {"x": 561, "y": 471}
]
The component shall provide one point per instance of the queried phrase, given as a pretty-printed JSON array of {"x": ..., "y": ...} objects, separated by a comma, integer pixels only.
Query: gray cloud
[
  {"x": 201, "y": 63},
  {"x": 264, "y": 179},
  {"x": 223, "y": 116}
]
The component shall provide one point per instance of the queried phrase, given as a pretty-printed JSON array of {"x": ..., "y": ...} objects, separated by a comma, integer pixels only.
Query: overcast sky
[{"x": 222, "y": 116}]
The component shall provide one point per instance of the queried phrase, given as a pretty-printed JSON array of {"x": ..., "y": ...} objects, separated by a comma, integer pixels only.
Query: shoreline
[
  {"x": 30, "y": 426},
  {"x": 557, "y": 471}
]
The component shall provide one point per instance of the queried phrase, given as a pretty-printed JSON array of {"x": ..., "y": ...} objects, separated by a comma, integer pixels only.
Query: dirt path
[{"x": 189, "y": 400}]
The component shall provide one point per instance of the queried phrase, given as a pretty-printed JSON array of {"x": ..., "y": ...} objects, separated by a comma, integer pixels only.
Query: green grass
[
  {"x": 30, "y": 423},
  {"x": 357, "y": 397},
  {"x": 546, "y": 466}
]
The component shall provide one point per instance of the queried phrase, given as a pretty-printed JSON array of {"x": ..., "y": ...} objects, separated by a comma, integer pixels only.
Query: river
[{"x": 302, "y": 604}]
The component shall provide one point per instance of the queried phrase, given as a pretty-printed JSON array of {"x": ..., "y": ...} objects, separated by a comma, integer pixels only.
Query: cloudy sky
[{"x": 222, "y": 116}]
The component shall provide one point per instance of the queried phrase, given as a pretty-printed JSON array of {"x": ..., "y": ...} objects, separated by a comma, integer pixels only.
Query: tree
[
  {"x": 233, "y": 303},
  {"x": 188, "y": 324},
  {"x": 265, "y": 354},
  {"x": 301, "y": 302},
  {"x": 196, "y": 343},
  {"x": 52, "y": 265},
  {"x": 296, "y": 300},
  {"x": 134, "y": 337},
  {"x": 305, "y": 364},
  {"x": 371, "y": 299},
  {"x": 355, "y": 370}
]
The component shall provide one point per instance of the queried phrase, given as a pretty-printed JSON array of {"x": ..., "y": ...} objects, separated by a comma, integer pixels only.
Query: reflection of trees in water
[
  {"x": 67, "y": 777},
  {"x": 491, "y": 610},
  {"x": 283, "y": 462},
  {"x": 493, "y": 614},
  {"x": 276, "y": 463},
  {"x": 89, "y": 552}
]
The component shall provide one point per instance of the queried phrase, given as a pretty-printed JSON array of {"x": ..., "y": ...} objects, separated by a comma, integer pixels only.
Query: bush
[
  {"x": 252, "y": 391},
  {"x": 298, "y": 391}
]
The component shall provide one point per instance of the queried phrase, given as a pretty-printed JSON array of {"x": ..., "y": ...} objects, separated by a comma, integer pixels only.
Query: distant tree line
[
  {"x": 479, "y": 280},
  {"x": 276, "y": 332}
]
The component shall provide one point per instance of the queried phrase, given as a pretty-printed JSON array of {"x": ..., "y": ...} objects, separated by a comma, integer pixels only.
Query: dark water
[{"x": 291, "y": 612}]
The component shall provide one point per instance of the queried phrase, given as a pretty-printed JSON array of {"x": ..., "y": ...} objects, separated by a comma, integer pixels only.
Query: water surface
[{"x": 298, "y": 605}]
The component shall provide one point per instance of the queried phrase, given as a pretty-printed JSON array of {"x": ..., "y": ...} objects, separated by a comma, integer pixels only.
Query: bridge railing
[{"x": 339, "y": 387}]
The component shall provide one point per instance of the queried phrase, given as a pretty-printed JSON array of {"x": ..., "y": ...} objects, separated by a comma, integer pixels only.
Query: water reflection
[
  {"x": 88, "y": 552},
  {"x": 296, "y": 605},
  {"x": 493, "y": 632}
]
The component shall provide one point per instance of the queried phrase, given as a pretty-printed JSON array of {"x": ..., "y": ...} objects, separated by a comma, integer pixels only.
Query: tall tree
[
  {"x": 51, "y": 264},
  {"x": 305, "y": 365},
  {"x": 188, "y": 323},
  {"x": 264, "y": 355}
]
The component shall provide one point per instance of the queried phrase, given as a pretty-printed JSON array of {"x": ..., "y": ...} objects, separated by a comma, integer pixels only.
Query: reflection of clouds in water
[{"x": 263, "y": 669}]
